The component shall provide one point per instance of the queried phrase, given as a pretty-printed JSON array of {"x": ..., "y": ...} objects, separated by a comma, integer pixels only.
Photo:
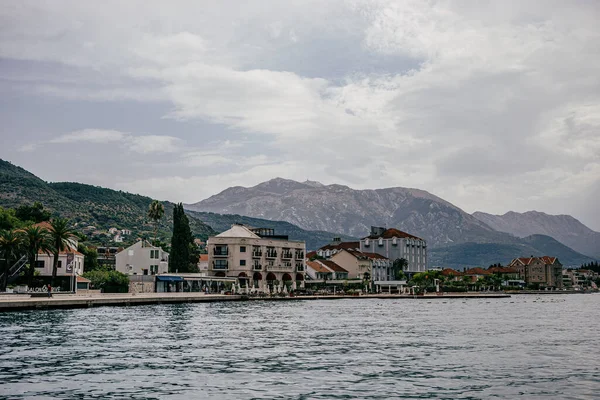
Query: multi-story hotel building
[
  {"x": 394, "y": 244},
  {"x": 257, "y": 257}
]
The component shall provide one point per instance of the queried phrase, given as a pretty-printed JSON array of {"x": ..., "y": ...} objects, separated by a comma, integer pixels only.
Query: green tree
[
  {"x": 156, "y": 211},
  {"x": 37, "y": 239},
  {"x": 11, "y": 247},
  {"x": 61, "y": 235},
  {"x": 398, "y": 268},
  {"x": 182, "y": 255},
  {"x": 34, "y": 213},
  {"x": 90, "y": 254},
  {"x": 8, "y": 220},
  {"x": 108, "y": 281}
]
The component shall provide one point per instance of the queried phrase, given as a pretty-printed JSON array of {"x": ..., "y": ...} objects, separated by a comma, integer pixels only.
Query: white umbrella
[
  {"x": 294, "y": 285},
  {"x": 285, "y": 289}
]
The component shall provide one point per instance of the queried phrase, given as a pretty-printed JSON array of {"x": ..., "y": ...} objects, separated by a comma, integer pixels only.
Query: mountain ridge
[{"x": 564, "y": 228}]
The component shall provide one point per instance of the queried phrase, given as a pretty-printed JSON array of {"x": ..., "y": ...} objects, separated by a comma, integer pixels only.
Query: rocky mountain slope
[
  {"x": 563, "y": 228},
  {"x": 337, "y": 208}
]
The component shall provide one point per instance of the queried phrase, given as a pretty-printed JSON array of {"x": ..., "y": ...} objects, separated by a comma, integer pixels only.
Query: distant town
[{"x": 257, "y": 261}]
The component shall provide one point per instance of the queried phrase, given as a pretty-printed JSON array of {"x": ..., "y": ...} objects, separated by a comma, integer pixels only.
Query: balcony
[
  {"x": 271, "y": 254},
  {"x": 220, "y": 266},
  {"x": 220, "y": 252},
  {"x": 257, "y": 254},
  {"x": 257, "y": 267},
  {"x": 279, "y": 268},
  {"x": 286, "y": 255},
  {"x": 299, "y": 268},
  {"x": 299, "y": 256}
]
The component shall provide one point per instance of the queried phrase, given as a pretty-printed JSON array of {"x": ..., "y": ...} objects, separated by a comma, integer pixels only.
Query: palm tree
[
  {"x": 61, "y": 236},
  {"x": 37, "y": 239},
  {"x": 155, "y": 212},
  {"x": 11, "y": 245}
]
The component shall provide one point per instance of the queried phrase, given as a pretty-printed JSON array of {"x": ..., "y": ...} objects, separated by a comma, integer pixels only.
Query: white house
[
  {"x": 70, "y": 261},
  {"x": 142, "y": 258}
]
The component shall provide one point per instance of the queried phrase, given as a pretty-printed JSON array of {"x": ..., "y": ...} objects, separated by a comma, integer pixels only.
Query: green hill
[
  {"x": 92, "y": 209},
  {"x": 468, "y": 255}
]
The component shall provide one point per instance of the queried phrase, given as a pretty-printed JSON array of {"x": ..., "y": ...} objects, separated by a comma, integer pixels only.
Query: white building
[
  {"x": 142, "y": 258},
  {"x": 394, "y": 244}
]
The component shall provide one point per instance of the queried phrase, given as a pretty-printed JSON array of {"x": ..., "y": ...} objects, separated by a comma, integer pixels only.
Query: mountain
[
  {"x": 102, "y": 208},
  {"x": 563, "y": 228},
  {"x": 337, "y": 208},
  {"x": 313, "y": 239},
  {"x": 467, "y": 255}
]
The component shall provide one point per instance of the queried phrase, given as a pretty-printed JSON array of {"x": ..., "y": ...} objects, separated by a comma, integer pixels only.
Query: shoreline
[{"x": 26, "y": 302}]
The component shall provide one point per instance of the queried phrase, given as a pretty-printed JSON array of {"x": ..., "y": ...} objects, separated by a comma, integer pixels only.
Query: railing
[
  {"x": 271, "y": 254},
  {"x": 299, "y": 268},
  {"x": 220, "y": 266},
  {"x": 257, "y": 267},
  {"x": 13, "y": 272},
  {"x": 221, "y": 252},
  {"x": 286, "y": 255},
  {"x": 279, "y": 268},
  {"x": 257, "y": 254},
  {"x": 299, "y": 256}
]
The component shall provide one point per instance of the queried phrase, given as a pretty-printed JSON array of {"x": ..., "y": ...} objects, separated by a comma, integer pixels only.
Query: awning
[{"x": 169, "y": 278}]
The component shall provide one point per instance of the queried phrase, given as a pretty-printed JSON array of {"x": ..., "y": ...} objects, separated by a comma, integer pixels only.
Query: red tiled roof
[
  {"x": 548, "y": 260},
  {"x": 317, "y": 266},
  {"x": 311, "y": 254},
  {"x": 64, "y": 252},
  {"x": 476, "y": 271},
  {"x": 82, "y": 279},
  {"x": 392, "y": 232},
  {"x": 502, "y": 270},
  {"x": 203, "y": 257},
  {"x": 450, "y": 271},
  {"x": 333, "y": 266},
  {"x": 364, "y": 255},
  {"x": 342, "y": 245}
]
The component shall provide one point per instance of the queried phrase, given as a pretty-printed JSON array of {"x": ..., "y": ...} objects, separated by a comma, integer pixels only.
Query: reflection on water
[{"x": 529, "y": 346}]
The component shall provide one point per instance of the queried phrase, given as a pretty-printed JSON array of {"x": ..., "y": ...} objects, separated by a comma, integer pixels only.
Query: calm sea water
[{"x": 526, "y": 346}]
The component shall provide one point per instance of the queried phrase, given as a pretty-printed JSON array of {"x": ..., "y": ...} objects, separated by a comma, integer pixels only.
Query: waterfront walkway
[{"x": 18, "y": 302}]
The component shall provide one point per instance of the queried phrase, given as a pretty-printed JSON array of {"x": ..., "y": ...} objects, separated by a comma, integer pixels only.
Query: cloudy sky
[{"x": 491, "y": 105}]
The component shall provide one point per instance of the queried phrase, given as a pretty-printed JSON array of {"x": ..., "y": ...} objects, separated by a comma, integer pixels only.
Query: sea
[{"x": 526, "y": 346}]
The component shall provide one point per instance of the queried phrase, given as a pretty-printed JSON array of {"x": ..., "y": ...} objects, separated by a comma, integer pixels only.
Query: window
[
  {"x": 242, "y": 249},
  {"x": 153, "y": 269},
  {"x": 39, "y": 264},
  {"x": 145, "y": 271},
  {"x": 154, "y": 254},
  {"x": 242, "y": 263},
  {"x": 59, "y": 264}
]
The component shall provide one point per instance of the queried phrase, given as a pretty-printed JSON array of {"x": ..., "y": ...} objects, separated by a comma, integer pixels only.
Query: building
[
  {"x": 108, "y": 255},
  {"x": 358, "y": 264},
  {"x": 142, "y": 258},
  {"x": 326, "y": 270},
  {"x": 257, "y": 257},
  {"x": 394, "y": 244},
  {"x": 336, "y": 246},
  {"x": 543, "y": 271},
  {"x": 203, "y": 263},
  {"x": 70, "y": 261}
]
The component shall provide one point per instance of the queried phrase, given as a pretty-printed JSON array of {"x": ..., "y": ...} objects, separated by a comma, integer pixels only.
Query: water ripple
[{"x": 357, "y": 348}]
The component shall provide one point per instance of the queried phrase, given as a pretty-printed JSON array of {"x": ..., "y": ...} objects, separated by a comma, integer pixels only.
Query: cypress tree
[{"x": 182, "y": 257}]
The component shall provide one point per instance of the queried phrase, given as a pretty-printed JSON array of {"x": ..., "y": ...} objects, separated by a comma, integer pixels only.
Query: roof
[
  {"x": 64, "y": 252},
  {"x": 528, "y": 260},
  {"x": 203, "y": 257},
  {"x": 476, "y": 271},
  {"x": 238, "y": 231},
  {"x": 450, "y": 271},
  {"x": 502, "y": 270},
  {"x": 391, "y": 233},
  {"x": 311, "y": 254},
  {"x": 333, "y": 266},
  {"x": 341, "y": 246},
  {"x": 375, "y": 256},
  {"x": 82, "y": 279},
  {"x": 317, "y": 266}
]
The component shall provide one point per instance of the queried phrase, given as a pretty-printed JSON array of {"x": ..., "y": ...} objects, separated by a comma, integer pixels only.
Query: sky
[{"x": 491, "y": 105}]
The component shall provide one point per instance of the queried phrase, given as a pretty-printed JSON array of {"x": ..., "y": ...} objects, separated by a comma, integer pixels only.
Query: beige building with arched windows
[{"x": 257, "y": 257}]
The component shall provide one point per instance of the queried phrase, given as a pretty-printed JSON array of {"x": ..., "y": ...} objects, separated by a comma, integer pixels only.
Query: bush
[{"x": 108, "y": 281}]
